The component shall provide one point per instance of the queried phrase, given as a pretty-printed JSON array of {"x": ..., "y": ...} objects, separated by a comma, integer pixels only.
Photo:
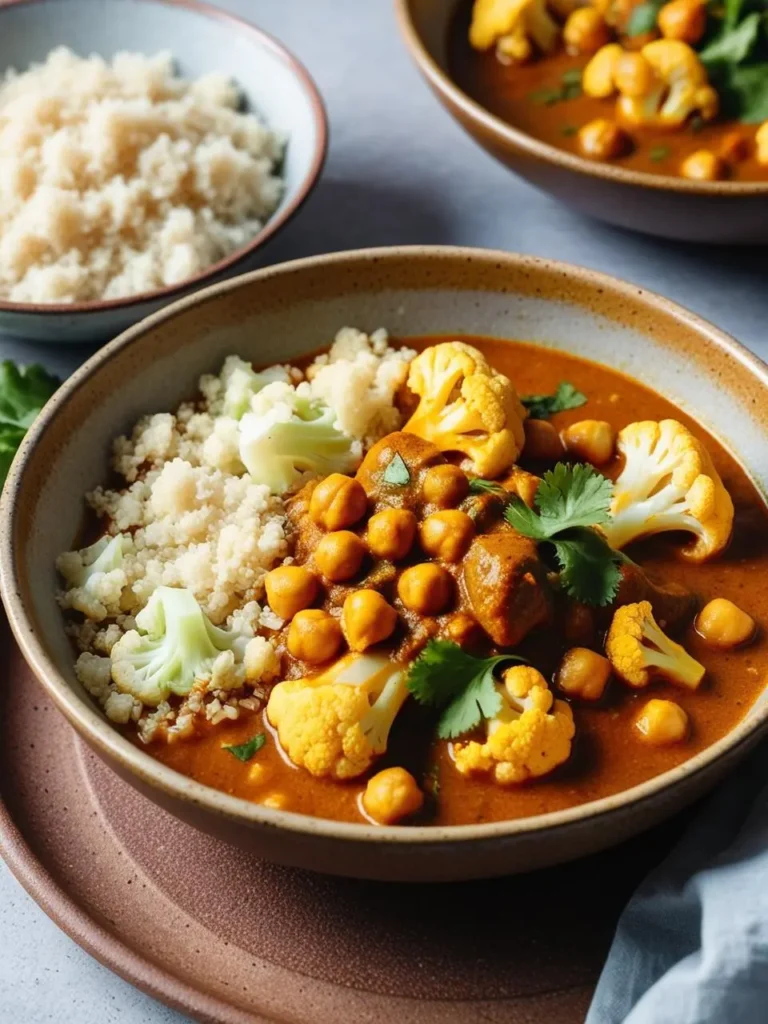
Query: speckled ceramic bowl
[
  {"x": 202, "y": 39},
  {"x": 695, "y": 211},
  {"x": 291, "y": 309}
]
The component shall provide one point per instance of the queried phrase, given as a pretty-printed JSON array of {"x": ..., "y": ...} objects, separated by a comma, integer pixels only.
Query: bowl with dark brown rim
[
  {"x": 201, "y": 39},
  {"x": 284, "y": 312},
  {"x": 656, "y": 204}
]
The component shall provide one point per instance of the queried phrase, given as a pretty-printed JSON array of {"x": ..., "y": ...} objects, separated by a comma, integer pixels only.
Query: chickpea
[
  {"x": 447, "y": 535},
  {"x": 426, "y": 588},
  {"x": 290, "y": 588},
  {"x": 634, "y": 75},
  {"x": 391, "y": 533},
  {"x": 585, "y": 31},
  {"x": 367, "y": 619},
  {"x": 277, "y": 800},
  {"x": 583, "y": 673},
  {"x": 723, "y": 624},
  {"x": 445, "y": 486},
  {"x": 461, "y": 628},
  {"x": 703, "y": 165},
  {"x": 590, "y": 440},
  {"x": 734, "y": 148},
  {"x": 392, "y": 794},
  {"x": 685, "y": 20},
  {"x": 662, "y": 722},
  {"x": 314, "y": 636},
  {"x": 603, "y": 140},
  {"x": 542, "y": 441},
  {"x": 337, "y": 502},
  {"x": 339, "y": 555}
]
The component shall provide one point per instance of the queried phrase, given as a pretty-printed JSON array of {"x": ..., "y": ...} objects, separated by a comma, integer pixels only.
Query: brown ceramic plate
[
  {"x": 228, "y": 939},
  {"x": 291, "y": 309},
  {"x": 708, "y": 211}
]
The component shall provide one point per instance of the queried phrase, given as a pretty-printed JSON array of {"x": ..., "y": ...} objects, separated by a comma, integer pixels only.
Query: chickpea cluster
[{"x": 338, "y": 506}]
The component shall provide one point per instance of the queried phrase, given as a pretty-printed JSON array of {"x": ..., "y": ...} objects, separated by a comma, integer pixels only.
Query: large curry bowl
[{"x": 286, "y": 311}]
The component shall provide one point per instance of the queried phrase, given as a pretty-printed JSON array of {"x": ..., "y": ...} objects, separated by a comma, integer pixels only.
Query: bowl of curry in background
[
  {"x": 539, "y": 322},
  {"x": 529, "y": 108}
]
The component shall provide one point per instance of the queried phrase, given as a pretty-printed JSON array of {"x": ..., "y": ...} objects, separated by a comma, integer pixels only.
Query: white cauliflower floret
[
  {"x": 118, "y": 707},
  {"x": 359, "y": 379},
  {"x": 261, "y": 660},
  {"x": 230, "y": 393},
  {"x": 96, "y": 577},
  {"x": 94, "y": 673}
]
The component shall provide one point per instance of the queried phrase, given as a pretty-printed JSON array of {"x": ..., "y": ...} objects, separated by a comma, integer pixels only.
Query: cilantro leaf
[
  {"x": 643, "y": 18},
  {"x": 445, "y": 676},
  {"x": 245, "y": 751},
  {"x": 23, "y": 393},
  {"x": 745, "y": 91},
  {"x": 397, "y": 472},
  {"x": 734, "y": 43},
  {"x": 589, "y": 568},
  {"x": 479, "y": 486},
  {"x": 568, "y": 496},
  {"x": 541, "y": 407}
]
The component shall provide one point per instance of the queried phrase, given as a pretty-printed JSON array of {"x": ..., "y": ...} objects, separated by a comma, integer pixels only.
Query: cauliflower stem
[{"x": 638, "y": 649}]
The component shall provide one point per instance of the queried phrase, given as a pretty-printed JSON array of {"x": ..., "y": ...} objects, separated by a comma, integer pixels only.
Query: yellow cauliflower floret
[
  {"x": 530, "y": 736},
  {"x": 668, "y": 483},
  {"x": 336, "y": 723},
  {"x": 761, "y": 143},
  {"x": 516, "y": 27},
  {"x": 661, "y": 86},
  {"x": 465, "y": 406},
  {"x": 638, "y": 649}
]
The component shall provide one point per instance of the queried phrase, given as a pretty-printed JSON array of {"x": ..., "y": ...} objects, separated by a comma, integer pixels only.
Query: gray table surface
[{"x": 398, "y": 171}]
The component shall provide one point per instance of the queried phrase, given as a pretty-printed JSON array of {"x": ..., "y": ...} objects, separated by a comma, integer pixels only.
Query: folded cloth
[{"x": 692, "y": 945}]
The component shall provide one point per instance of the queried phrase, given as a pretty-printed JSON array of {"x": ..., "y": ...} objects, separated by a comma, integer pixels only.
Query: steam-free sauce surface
[
  {"x": 607, "y": 756},
  {"x": 523, "y": 96}
]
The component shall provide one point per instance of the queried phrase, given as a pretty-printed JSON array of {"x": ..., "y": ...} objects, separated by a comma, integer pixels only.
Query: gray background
[{"x": 398, "y": 171}]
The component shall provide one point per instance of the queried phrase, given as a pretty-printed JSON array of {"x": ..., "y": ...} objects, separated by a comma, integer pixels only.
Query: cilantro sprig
[
  {"x": 462, "y": 686},
  {"x": 570, "y": 500},
  {"x": 541, "y": 407},
  {"x": 735, "y": 54},
  {"x": 23, "y": 393}
]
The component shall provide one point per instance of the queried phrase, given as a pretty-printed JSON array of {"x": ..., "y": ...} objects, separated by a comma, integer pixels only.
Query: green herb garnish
[
  {"x": 658, "y": 153},
  {"x": 569, "y": 130},
  {"x": 479, "y": 486},
  {"x": 397, "y": 472},
  {"x": 569, "y": 501},
  {"x": 644, "y": 17},
  {"x": 736, "y": 59},
  {"x": 432, "y": 779},
  {"x": 23, "y": 392},
  {"x": 569, "y": 89},
  {"x": 541, "y": 407},
  {"x": 546, "y": 97},
  {"x": 697, "y": 124},
  {"x": 462, "y": 686},
  {"x": 245, "y": 751}
]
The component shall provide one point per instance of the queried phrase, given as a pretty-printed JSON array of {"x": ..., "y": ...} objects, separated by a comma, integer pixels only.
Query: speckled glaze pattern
[
  {"x": 719, "y": 211},
  {"x": 291, "y": 309},
  {"x": 230, "y": 939},
  {"x": 202, "y": 39}
]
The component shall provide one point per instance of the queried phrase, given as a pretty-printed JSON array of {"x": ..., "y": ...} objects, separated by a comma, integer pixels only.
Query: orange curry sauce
[
  {"x": 521, "y": 95},
  {"x": 607, "y": 754}
]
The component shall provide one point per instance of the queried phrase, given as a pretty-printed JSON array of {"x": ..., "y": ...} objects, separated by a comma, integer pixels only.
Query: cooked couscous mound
[
  {"x": 119, "y": 178},
  {"x": 195, "y": 518}
]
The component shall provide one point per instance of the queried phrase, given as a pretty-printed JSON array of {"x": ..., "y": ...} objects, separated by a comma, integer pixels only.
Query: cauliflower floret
[
  {"x": 465, "y": 406},
  {"x": 530, "y": 736},
  {"x": 229, "y": 394},
  {"x": 335, "y": 724},
  {"x": 288, "y": 433},
  {"x": 638, "y": 649},
  {"x": 516, "y": 27},
  {"x": 668, "y": 483},
  {"x": 661, "y": 86},
  {"x": 95, "y": 576},
  {"x": 359, "y": 379},
  {"x": 174, "y": 646}
]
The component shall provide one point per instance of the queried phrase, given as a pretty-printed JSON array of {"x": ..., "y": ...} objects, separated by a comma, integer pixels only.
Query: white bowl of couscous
[{"x": 147, "y": 148}]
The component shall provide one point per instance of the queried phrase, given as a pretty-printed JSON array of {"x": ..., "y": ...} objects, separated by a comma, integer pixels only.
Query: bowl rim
[
  {"x": 115, "y": 748},
  {"x": 444, "y": 85},
  {"x": 271, "y": 226}
]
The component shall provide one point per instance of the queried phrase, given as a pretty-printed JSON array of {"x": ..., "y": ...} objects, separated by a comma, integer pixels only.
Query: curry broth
[
  {"x": 607, "y": 757},
  {"x": 510, "y": 92}
]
